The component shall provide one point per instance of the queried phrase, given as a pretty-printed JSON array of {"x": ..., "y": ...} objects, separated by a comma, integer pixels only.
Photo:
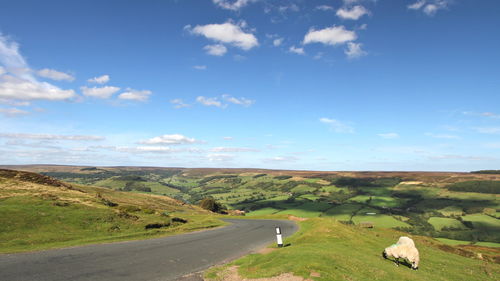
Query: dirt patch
[
  {"x": 231, "y": 274},
  {"x": 266, "y": 251},
  {"x": 294, "y": 218}
]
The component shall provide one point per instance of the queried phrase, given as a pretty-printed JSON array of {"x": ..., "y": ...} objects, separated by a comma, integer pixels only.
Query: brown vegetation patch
[
  {"x": 33, "y": 178},
  {"x": 231, "y": 274},
  {"x": 266, "y": 251},
  {"x": 294, "y": 218}
]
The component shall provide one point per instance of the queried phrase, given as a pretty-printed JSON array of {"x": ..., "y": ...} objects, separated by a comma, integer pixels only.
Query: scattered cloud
[
  {"x": 12, "y": 112},
  {"x": 337, "y": 126},
  {"x": 227, "y": 33},
  {"x": 219, "y": 157},
  {"x": 389, "y": 135},
  {"x": 442, "y": 136},
  {"x": 136, "y": 95},
  {"x": 239, "y": 101},
  {"x": 178, "y": 103},
  {"x": 334, "y": 35},
  {"x": 200, "y": 67},
  {"x": 354, "y": 50},
  {"x": 482, "y": 114},
  {"x": 353, "y": 13},
  {"x": 233, "y": 149},
  {"x": 17, "y": 81},
  {"x": 233, "y": 5},
  {"x": 288, "y": 8},
  {"x": 210, "y": 101},
  {"x": 24, "y": 136},
  {"x": 297, "y": 50},
  {"x": 103, "y": 79},
  {"x": 102, "y": 93},
  {"x": 215, "y": 50},
  {"x": 429, "y": 7},
  {"x": 173, "y": 139},
  {"x": 14, "y": 88},
  {"x": 324, "y": 8},
  {"x": 279, "y": 159},
  {"x": 55, "y": 75},
  {"x": 277, "y": 42},
  {"x": 488, "y": 130},
  {"x": 227, "y": 138},
  {"x": 491, "y": 115}
]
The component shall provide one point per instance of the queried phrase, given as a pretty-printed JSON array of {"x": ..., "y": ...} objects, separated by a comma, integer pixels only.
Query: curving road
[{"x": 166, "y": 258}]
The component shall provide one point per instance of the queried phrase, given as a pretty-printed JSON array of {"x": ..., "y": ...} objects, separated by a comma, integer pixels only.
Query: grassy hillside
[
  {"x": 451, "y": 206},
  {"x": 38, "y": 212},
  {"x": 325, "y": 249}
]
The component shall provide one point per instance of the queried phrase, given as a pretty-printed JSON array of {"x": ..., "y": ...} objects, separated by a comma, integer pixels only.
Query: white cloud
[
  {"x": 2, "y": 70},
  {"x": 389, "y": 135},
  {"x": 215, "y": 50},
  {"x": 101, "y": 93},
  {"x": 286, "y": 8},
  {"x": 354, "y": 50},
  {"x": 488, "y": 130},
  {"x": 353, "y": 13},
  {"x": 20, "y": 84},
  {"x": 218, "y": 157},
  {"x": 200, "y": 67},
  {"x": 10, "y": 56},
  {"x": 54, "y": 75},
  {"x": 178, "y": 103},
  {"x": 233, "y": 149},
  {"x": 13, "y": 88},
  {"x": 233, "y": 5},
  {"x": 239, "y": 101},
  {"x": 417, "y": 5},
  {"x": 330, "y": 36},
  {"x": 228, "y": 138},
  {"x": 277, "y": 42},
  {"x": 337, "y": 126},
  {"x": 24, "y": 136},
  {"x": 210, "y": 101},
  {"x": 297, "y": 50},
  {"x": 136, "y": 95},
  {"x": 429, "y": 7},
  {"x": 442, "y": 136},
  {"x": 490, "y": 114},
  {"x": 228, "y": 33},
  {"x": 281, "y": 159},
  {"x": 12, "y": 112},
  {"x": 170, "y": 140},
  {"x": 100, "y": 79},
  {"x": 324, "y": 8}
]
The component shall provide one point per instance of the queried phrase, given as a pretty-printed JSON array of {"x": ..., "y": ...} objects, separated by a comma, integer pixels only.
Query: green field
[
  {"x": 324, "y": 249},
  {"x": 440, "y": 223}
]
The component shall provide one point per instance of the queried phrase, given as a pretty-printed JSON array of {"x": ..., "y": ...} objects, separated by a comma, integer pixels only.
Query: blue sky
[{"x": 314, "y": 85}]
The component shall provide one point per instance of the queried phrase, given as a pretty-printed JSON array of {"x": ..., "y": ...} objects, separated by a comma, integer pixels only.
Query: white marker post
[{"x": 278, "y": 237}]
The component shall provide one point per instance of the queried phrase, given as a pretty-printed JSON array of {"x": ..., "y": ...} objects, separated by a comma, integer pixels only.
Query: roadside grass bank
[
  {"x": 38, "y": 214},
  {"x": 324, "y": 249}
]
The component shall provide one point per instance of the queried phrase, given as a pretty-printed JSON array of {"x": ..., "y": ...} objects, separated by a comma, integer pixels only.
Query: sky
[{"x": 393, "y": 85}]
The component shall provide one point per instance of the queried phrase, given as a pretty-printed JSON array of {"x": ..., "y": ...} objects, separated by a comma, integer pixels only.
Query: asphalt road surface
[{"x": 166, "y": 258}]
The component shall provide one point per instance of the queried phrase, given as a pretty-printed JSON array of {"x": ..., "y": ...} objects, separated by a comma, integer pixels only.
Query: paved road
[{"x": 158, "y": 259}]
